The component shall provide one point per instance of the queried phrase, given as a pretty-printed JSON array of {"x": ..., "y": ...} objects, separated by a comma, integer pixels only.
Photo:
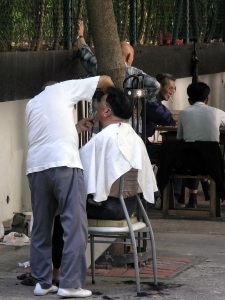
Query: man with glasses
[{"x": 159, "y": 114}]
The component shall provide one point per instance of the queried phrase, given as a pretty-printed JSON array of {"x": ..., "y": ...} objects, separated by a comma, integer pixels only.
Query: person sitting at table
[
  {"x": 159, "y": 114},
  {"x": 199, "y": 122}
]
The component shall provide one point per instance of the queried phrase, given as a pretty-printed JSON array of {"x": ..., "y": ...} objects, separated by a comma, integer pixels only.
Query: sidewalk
[{"x": 190, "y": 257}]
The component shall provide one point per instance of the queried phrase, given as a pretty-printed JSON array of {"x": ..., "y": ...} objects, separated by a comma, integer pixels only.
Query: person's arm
[
  {"x": 159, "y": 114},
  {"x": 150, "y": 83},
  {"x": 180, "y": 134},
  {"x": 222, "y": 118},
  {"x": 104, "y": 83},
  {"x": 87, "y": 57},
  {"x": 84, "y": 124}
]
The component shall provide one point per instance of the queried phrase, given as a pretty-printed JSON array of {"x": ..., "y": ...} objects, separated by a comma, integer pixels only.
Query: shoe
[
  {"x": 24, "y": 276},
  {"x": 191, "y": 205},
  {"x": 28, "y": 281},
  {"x": 76, "y": 293},
  {"x": 178, "y": 205},
  {"x": 158, "y": 203},
  {"x": 39, "y": 291}
]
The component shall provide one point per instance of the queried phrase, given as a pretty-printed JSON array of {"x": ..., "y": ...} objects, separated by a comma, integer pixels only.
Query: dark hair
[
  {"x": 164, "y": 77},
  {"x": 120, "y": 104},
  {"x": 198, "y": 91}
]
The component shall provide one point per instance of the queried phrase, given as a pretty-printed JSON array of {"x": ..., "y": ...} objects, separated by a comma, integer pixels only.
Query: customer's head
[
  {"x": 167, "y": 86},
  {"x": 114, "y": 107},
  {"x": 128, "y": 53},
  {"x": 198, "y": 91}
]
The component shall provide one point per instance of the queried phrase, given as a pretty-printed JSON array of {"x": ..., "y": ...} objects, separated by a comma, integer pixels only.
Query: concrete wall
[{"x": 13, "y": 141}]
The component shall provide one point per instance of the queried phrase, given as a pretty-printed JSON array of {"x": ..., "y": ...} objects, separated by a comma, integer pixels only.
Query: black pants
[
  {"x": 57, "y": 243},
  {"x": 111, "y": 209}
]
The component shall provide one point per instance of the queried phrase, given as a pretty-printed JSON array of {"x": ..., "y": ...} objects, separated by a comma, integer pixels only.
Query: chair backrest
[
  {"x": 191, "y": 158},
  {"x": 130, "y": 184}
]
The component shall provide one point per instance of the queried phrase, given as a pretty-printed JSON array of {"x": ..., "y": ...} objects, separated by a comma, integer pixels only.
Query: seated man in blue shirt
[{"x": 157, "y": 113}]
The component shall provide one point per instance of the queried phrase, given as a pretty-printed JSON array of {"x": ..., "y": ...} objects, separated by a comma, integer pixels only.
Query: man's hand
[
  {"x": 80, "y": 28},
  {"x": 85, "y": 124}
]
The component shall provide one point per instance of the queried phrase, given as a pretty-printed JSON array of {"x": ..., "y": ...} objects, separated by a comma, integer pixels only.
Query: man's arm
[
  {"x": 150, "y": 83},
  {"x": 87, "y": 57},
  {"x": 180, "y": 134}
]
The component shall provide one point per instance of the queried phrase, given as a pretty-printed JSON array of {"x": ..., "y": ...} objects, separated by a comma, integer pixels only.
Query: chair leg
[
  {"x": 166, "y": 195},
  {"x": 212, "y": 199},
  {"x": 92, "y": 258},
  {"x": 152, "y": 240},
  {"x": 134, "y": 245}
]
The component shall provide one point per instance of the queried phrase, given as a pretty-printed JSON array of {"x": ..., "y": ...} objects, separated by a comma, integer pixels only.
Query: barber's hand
[
  {"x": 80, "y": 28},
  {"x": 85, "y": 124}
]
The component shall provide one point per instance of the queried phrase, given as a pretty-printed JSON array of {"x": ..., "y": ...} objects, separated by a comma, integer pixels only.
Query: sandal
[
  {"x": 24, "y": 276},
  {"x": 28, "y": 281}
]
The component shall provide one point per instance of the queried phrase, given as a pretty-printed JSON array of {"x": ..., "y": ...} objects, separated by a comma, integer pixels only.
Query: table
[{"x": 170, "y": 133}]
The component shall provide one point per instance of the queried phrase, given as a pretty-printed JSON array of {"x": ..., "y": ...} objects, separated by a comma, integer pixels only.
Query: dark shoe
[
  {"x": 191, "y": 205},
  {"x": 24, "y": 276},
  {"x": 28, "y": 281}
]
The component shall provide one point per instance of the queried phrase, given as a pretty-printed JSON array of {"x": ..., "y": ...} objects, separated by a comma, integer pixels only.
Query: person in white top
[
  {"x": 55, "y": 175},
  {"x": 199, "y": 122},
  {"x": 115, "y": 151}
]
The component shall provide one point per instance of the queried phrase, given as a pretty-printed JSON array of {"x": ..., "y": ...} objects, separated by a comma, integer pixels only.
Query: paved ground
[{"x": 191, "y": 265}]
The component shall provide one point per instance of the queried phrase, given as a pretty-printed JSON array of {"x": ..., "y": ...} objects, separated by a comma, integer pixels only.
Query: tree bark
[{"x": 106, "y": 40}]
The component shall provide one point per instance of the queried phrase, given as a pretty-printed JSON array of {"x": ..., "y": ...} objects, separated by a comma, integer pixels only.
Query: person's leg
[
  {"x": 44, "y": 206},
  {"x": 111, "y": 209},
  {"x": 192, "y": 184},
  {"x": 70, "y": 192},
  {"x": 177, "y": 184},
  {"x": 206, "y": 188},
  {"x": 57, "y": 248}
]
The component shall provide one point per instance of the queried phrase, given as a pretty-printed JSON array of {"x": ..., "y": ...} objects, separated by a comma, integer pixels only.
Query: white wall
[
  {"x": 13, "y": 141},
  {"x": 215, "y": 82}
]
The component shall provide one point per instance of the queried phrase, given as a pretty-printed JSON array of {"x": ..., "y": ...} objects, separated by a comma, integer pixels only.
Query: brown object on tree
[{"x": 106, "y": 40}]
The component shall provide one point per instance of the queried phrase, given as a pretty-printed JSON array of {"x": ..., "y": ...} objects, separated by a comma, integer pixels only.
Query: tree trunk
[{"x": 106, "y": 40}]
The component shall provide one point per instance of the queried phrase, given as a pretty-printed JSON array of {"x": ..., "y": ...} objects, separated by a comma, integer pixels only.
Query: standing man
[
  {"x": 55, "y": 176},
  {"x": 89, "y": 62},
  {"x": 199, "y": 122}
]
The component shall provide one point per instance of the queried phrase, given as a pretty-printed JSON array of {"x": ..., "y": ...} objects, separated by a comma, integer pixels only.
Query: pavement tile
[{"x": 166, "y": 265}]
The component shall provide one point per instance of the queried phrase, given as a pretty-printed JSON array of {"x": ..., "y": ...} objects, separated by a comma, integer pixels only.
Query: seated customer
[
  {"x": 199, "y": 122},
  {"x": 114, "y": 151}
]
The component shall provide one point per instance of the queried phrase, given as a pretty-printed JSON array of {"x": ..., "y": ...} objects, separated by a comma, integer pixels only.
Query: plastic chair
[{"x": 142, "y": 227}]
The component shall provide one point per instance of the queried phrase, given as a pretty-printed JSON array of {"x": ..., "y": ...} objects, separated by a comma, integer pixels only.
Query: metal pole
[
  {"x": 133, "y": 22},
  {"x": 67, "y": 17},
  {"x": 186, "y": 40},
  {"x": 177, "y": 17}
]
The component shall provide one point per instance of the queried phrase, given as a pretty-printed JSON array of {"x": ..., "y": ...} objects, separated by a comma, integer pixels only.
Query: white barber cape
[{"x": 110, "y": 154}]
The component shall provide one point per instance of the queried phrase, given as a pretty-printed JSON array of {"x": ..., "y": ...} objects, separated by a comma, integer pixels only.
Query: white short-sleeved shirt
[
  {"x": 52, "y": 135},
  {"x": 200, "y": 122}
]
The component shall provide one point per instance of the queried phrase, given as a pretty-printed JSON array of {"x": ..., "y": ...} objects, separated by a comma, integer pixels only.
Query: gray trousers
[{"x": 64, "y": 188}]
